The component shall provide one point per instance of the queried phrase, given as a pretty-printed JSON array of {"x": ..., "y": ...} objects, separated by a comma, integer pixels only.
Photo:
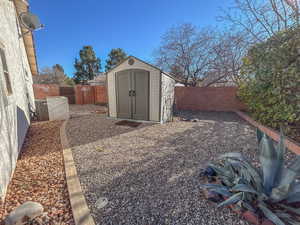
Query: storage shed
[{"x": 140, "y": 91}]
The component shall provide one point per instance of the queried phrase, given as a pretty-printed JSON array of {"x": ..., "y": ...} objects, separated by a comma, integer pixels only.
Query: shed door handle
[{"x": 131, "y": 93}]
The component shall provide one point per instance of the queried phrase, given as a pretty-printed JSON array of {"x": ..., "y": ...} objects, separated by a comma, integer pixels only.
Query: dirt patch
[
  {"x": 40, "y": 176},
  {"x": 86, "y": 129},
  {"x": 87, "y": 109}
]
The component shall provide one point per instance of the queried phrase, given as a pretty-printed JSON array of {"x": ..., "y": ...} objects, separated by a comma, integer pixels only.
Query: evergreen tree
[
  {"x": 88, "y": 66},
  {"x": 115, "y": 56}
]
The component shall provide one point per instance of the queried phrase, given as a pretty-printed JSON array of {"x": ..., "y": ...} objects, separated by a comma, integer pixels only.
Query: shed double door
[{"x": 133, "y": 94}]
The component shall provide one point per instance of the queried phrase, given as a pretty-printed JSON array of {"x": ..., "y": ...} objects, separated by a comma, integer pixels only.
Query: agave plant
[{"x": 270, "y": 189}]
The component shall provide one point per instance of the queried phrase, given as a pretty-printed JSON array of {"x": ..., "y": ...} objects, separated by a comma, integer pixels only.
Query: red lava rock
[
  {"x": 267, "y": 222},
  {"x": 39, "y": 175},
  {"x": 251, "y": 217},
  {"x": 235, "y": 208}
]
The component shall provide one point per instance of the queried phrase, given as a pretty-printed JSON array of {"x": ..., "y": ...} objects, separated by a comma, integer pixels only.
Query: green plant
[
  {"x": 87, "y": 66},
  {"x": 270, "y": 189},
  {"x": 271, "y": 79},
  {"x": 116, "y": 56}
]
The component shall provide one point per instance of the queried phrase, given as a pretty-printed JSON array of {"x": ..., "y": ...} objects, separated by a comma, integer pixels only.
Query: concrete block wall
[
  {"x": 208, "y": 99},
  {"x": 42, "y": 91}
]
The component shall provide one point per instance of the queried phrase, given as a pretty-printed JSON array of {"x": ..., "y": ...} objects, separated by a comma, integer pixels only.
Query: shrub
[{"x": 270, "y": 84}]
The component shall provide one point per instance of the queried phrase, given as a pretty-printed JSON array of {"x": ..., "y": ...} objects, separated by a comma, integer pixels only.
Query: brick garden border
[
  {"x": 290, "y": 144},
  {"x": 80, "y": 210}
]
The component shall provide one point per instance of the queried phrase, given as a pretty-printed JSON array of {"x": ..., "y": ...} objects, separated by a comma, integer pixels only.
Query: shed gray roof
[{"x": 155, "y": 67}]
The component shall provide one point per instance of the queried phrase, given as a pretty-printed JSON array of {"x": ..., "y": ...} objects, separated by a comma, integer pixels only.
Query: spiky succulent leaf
[
  {"x": 292, "y": 221},
  {"x": 282, "y": 214},
  {"x": 234, "y": 155},
  {"x": 286, "y": 218},
  {"x": 209, "y": 186},
  {"x": 269, "y": 162},
  {"x": 294, "y": 194},
  {"x": 219, "y": 170},
  {"x": 237, "y": 158},
  {"x": 269, "y": 214},
  {"x": 232, "y": 200},
  {"x": 280, "y": 149},
  {"x": 293, "y": 198},
  {"x": 218, "y": 188},
  {"x": 259, "y": 135},
  {"x": 291, "y": 209},
  {"x": 248, "y": 206},
  {"x": 282, "y": 190},
  {"x": 250, "y": 173},
  {"x": 244, "y": 188}
]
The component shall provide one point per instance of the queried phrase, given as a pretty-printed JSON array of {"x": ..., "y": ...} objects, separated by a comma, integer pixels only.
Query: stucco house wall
[{"x": 14, "y": 108}]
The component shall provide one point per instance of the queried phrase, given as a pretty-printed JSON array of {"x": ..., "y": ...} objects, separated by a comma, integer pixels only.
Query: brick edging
[
  {"x": 80, "y": 210},
  {"x": 291, "y": 145}
]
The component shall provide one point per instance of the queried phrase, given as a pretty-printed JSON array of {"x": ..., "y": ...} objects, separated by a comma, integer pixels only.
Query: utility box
[
  {"x": 58, "y": 108},
  {"x": 52, "y": 108}
]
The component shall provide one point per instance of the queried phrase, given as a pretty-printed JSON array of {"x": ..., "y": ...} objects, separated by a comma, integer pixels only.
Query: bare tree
[
  {"x": 261, "y": 19},
  {"x": 187, "y": 51},
  {"x": 227, "y": 53},
  {"x": 52, "y": 75}
]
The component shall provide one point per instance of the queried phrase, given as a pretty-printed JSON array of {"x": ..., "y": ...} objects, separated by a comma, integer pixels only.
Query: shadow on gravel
[
  {"x": 163, "y": 187},
  {"x": 86, "y": 129}
]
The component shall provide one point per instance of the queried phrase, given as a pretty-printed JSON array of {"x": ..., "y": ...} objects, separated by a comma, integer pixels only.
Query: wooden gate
[{"x": 68, "y": 92}]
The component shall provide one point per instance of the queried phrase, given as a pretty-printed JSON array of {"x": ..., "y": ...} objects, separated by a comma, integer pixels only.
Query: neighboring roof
[
  {"x": 101, "y": 78},
  {"x": 155, "y": 67}
]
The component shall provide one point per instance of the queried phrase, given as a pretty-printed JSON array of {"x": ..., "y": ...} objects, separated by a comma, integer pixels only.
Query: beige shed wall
[
  {"x": 154, "y": 101},
  {"x": 167, "y": 98}
]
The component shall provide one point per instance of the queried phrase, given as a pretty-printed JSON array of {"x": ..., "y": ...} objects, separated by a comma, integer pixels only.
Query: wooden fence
[{"x": 85, "y": 94}]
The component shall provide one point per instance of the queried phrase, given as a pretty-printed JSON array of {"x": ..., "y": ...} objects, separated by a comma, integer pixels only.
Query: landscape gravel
[
  {"x": 40, "y": 176},
  {"x": 150, "y": 175}
]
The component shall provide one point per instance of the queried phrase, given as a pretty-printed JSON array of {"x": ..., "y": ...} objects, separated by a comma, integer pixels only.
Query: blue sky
[{"x": 134, "y": 25}]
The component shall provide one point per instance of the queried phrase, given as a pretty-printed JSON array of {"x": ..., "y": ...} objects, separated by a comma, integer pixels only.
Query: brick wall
[
  {"x": 41, "y": 91},
  {"x": 207, "y": 99}
]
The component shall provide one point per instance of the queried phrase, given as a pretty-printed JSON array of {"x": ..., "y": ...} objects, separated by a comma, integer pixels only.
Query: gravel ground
[
  {"x": 40, "y": 176},
  {"x": 150, "y": 174},
  {"x": 76, "y": 110}
]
